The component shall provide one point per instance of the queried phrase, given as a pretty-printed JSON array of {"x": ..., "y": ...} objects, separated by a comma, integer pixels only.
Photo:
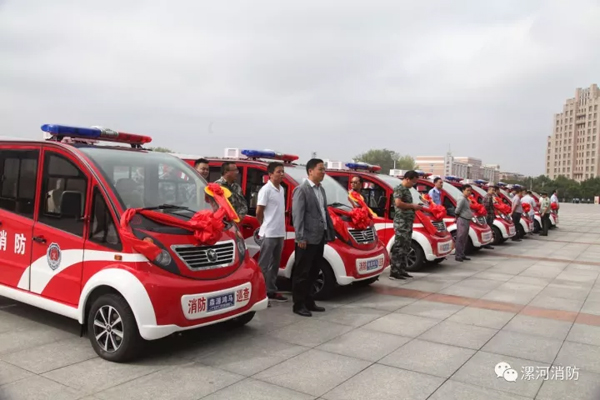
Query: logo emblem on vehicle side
[
  {"x": 212, "y": 255},
  {"x": 54, "y": 256}
]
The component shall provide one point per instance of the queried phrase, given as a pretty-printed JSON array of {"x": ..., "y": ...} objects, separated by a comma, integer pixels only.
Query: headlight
[
  {"x": 164, "y": 258},
  {"x": 474, "y": 220}
]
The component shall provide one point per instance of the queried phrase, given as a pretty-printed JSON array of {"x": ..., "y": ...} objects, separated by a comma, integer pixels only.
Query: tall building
[{"x": 572, "y": 149}]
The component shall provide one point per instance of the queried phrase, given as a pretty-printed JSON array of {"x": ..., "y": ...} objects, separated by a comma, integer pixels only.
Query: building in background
[
  {"x": 464, "y": 167},
  {"x": 511, "y": 176},
  {"x": 573, "y": 148}
]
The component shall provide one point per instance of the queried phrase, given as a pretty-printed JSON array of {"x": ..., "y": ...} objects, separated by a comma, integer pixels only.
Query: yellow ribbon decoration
[{"x": 227, "y": 194}]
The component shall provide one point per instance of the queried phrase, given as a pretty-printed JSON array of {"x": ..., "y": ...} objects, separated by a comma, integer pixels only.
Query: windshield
[
  {"x": 333, "y": 190},
  {"x": 149, "y": 179},
  {"x": 452, "y": 191},
  {"x": 479, "y": 190}
]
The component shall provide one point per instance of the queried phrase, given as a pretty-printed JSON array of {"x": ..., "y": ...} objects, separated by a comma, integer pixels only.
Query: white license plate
[
  {"x": 511, "y": 230},
  {"x": 486, "y": 237},
  {"x": 368, "y": 265},
  {"x": 214, "y": 303},
  {"x": 445, "y": 247}
]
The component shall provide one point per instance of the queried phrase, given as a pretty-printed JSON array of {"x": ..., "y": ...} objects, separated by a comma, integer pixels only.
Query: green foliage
[
  {"x": 385, "y": 159},
  {"x": 161, "y": 149}
]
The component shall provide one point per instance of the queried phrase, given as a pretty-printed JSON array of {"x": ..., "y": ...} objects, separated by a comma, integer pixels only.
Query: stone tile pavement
[{"x": 534, "y": 305}]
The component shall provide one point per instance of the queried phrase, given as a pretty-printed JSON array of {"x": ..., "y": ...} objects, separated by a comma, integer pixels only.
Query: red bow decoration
[
  {"x": 554, "y": 206},
  {"x": 357, "y": 199},
  {"x": 206, "y": 225},
  {"x": 360, "y": 218},
  {"x": 526, "y": 207},
  {"x": 477, "y": 208},
  {"x": 437, "y": 211},
  {"x": 338, "y": 224},
  {"x": 503, "y": 208}
]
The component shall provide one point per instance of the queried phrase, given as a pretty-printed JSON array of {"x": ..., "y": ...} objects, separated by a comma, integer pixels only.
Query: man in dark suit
[{"x": 314, "y": 228}]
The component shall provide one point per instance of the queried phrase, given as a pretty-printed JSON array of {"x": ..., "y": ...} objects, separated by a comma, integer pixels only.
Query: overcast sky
[{"x": 335, "y": 77}]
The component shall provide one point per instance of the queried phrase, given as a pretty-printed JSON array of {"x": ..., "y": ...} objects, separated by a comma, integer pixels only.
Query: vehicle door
[
  {"x": 60, "y": 228},
  {"x": 256, "y": 177},
  {"x": 19, "y": 171}
]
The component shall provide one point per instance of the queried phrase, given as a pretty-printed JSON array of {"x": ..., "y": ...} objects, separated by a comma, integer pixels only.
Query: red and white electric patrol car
[
  {"x": 526, "y": 224},
  {"x": 113, "y": 237},
  {"x": 431, "y": 241},
  {"x": 356, "y": 256},
  {"x": 503, "y": 227},
  {"x": 480, "y": 233}
]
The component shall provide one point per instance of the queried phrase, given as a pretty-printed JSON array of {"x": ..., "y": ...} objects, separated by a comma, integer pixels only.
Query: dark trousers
[
  {"x": 462, "y": 235},
  {"x": 545, "y": 224},
  {"x": 518, "y": 228},
  {"x": 306, "y": 271},
  {"x": 490, "y": 219}
]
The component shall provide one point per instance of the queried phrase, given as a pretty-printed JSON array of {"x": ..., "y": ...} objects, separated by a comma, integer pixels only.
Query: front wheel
[
  {"x": 536, "y": 226},
  {"x": 415, "y": 258},
  {"x": 325, "y": 284},
  {"x": 498, "y": 239},
  {"x": 112, "y": 329}
]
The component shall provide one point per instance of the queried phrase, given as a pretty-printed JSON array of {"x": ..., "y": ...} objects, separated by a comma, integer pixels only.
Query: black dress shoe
[
  {"x": 302, "y": 311},
  {"x": 488, "y": 247},
  {"x": 405, "y": 274},
  {"x": 315, "y": 308},
  {"x": 458, "y": 259},
  {"x": 466, "y": 259}
]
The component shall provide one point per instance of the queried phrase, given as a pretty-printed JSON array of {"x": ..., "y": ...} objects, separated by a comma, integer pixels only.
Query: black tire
[
  {"x": 366, "y": 282},
  {"x": 536, "y": 226},
  {"x": 520, "y": 231},
  {"x": 471, "y": 247},
  {"x": 416, "y": 257},
  {"x": 240, "y": 321},
  {"x": 326, "y": 283},
  {"x": 107, "y": 343},
  {"x": 498, "y": 239}
]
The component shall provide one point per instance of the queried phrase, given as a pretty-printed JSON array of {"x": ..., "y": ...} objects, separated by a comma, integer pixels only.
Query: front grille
[
  {"x": 363, "y": 237},
  {"x": 439, "y": 225},
  {"x": 199, "y": 258}
]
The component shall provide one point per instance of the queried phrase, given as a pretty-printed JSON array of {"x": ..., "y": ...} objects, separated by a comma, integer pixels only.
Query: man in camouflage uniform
[
  {"x": 229, "y": 174},
  {"x": 403, "y": 225}
]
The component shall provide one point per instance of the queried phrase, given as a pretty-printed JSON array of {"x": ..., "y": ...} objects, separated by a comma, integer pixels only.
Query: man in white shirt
[
  {"x": 554, "y": 199},
  {"x": 270, "y": 212},
  {"x": 528, "y": 198}
]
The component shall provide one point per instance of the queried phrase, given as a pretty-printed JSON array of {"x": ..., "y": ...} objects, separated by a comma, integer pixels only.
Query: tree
[
  {"x": 385, "y": 159},
  {"x": 161, "y": 149}
]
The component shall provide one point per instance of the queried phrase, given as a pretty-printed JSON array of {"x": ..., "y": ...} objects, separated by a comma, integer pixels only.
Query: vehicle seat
[
  {"x": 127, "y": 190},
  {"x": 54, "y": 195}
]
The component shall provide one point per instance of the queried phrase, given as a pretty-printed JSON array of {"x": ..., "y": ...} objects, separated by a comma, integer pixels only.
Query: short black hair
[
  {"x": 360, "y": 179},
  {"x": 517, "y": 190},
  {"x": 529, "y": 192},
  {"x": 200, "y": 161},
  {"x": 273, "y": 166},
  {"x": 436, "y": 180},
  {"x": 312, "y": 163},
  {"x": 225, "y": 167},
  {"x": 411, "y": 175},
  {"x": 465, "y": 187}
]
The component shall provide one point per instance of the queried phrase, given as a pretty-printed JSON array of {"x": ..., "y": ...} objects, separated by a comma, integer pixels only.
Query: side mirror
[{"x": 71, "y": 204}]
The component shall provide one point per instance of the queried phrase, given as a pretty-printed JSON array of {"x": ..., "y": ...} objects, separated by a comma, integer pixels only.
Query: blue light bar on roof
[
  {"x": 359, "y": 165},
  {"x": 480, "y": 182},
  {"x": 95, "y": 133},
  {"x": 269, "y": 154},
  {"x": 452, "y": 178}
]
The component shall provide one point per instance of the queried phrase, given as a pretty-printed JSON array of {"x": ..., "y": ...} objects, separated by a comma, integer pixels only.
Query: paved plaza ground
[{"x": 448, "y": 334}]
